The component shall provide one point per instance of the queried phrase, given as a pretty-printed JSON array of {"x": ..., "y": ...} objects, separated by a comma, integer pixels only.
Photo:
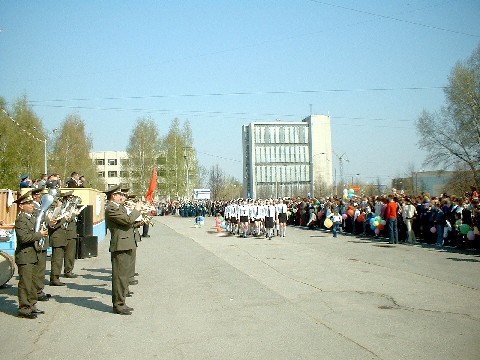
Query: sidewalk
[{"x": 207, "y": 295}]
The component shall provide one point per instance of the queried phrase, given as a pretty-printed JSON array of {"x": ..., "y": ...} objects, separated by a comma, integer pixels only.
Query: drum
[{"x": 7, "y": 268}]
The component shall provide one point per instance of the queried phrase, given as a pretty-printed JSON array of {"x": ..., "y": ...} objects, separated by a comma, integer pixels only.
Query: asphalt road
[{"x": 207, "y": 295}]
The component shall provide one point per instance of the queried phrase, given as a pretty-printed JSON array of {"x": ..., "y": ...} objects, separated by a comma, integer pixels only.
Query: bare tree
[
  {"x": 216, "y": 182},
  {"x": 451, "y": 136}
]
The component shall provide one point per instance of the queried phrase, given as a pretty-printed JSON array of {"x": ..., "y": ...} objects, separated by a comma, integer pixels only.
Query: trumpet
[{"x": 145, "y": 210}]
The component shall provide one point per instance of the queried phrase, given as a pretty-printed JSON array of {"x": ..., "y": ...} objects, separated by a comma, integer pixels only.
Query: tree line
[{"x": 24, "y": 141}]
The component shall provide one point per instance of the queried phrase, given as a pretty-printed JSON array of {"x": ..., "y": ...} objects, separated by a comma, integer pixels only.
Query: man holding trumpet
[{"x": 122, "y": 244}]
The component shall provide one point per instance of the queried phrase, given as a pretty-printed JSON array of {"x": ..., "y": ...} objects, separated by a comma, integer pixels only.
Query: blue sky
[{"x": 373, "y": 66}]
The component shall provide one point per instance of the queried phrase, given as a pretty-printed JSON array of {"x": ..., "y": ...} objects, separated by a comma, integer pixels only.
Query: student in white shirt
[
  {"x": 270, "y": 217},
  {"x": 281, "y": 209}
]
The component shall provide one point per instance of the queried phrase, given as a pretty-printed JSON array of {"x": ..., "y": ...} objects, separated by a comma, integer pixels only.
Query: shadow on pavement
[
  {"x": 84, "y": 301},
  {"x": 101, "y": 288}
]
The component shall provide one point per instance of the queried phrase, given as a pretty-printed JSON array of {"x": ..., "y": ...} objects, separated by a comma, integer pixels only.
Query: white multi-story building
[
  {"x": 284, "y": 159},
  {"x": 109, "y": 166}
]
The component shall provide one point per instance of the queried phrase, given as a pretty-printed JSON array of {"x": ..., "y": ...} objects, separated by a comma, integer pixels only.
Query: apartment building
[
  {"x": 285, "y": 159},
  {"x": 109, "y": 166}
]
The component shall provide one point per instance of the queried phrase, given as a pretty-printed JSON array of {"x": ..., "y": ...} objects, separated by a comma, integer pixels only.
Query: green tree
[
  {"x": 21, "y": 143},
  {"x": 71, "y": 152},
  {"x": 451, "y": 136},
  {"x": 173, "y": 145},
  {"x": 143, "y": 151},
  {"x": 191, "y": 166}
]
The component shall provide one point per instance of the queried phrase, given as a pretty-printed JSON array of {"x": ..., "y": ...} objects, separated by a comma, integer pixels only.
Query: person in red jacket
[{"x": 391, "y": 218}]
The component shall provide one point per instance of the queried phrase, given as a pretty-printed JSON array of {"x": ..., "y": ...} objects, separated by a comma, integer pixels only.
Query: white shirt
[{"x": 270, "y": 211}]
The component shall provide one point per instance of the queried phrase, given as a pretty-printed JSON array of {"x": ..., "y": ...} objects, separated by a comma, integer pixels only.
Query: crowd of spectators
[
  {"x": 52, "y": 181},
  {"x": 444, "y": 220}
]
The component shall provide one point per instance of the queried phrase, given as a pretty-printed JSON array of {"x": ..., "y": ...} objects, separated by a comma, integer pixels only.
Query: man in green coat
[
  {"x": 26, "y": 257},
  {"x": 58, "y": 240},
  {"x": 71, "y": 235},
  {"x": 122, "y": 242}
]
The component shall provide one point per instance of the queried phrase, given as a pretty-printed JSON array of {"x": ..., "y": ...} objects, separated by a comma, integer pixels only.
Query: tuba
[{"x": 46, "y": 201}]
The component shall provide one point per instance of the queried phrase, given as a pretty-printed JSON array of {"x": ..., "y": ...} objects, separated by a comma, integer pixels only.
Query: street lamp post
[
  {"x": 45, "y": 156},
  {"x": 45, "y": 138}
]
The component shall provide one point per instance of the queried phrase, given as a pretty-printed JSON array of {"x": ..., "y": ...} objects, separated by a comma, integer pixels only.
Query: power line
[
  {"x": 219, "y": 157},
  {"x": 235, "y": 115},
  {"x": 394, "y": 18},
  {"x": 247, "y": 93}
]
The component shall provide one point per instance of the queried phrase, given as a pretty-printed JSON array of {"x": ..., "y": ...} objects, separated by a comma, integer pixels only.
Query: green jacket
[
  {"x": 71, "y": 228},
  {"x": 57, "y": 234},
  {"x": 25, "y": 252},
  {"x": 120, "y": 224}
]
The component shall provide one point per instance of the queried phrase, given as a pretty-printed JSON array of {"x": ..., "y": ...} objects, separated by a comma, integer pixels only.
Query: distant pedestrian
[{"x": 391, "y": 218}]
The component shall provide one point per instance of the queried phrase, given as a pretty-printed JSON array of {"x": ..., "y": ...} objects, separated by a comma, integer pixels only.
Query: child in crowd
[{"x": 337, "y": 219}]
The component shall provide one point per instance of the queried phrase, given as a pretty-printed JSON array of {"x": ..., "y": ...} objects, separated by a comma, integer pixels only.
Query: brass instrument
[
  {"x": 145, "y": 210},
  {"x": 71, "y": 211},
  {"x": 54, "y": 212},
  {"x": 46, "y": 202}
]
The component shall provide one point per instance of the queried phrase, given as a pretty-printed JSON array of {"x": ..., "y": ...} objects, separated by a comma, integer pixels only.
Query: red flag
[{"x": 152, "y": 186}]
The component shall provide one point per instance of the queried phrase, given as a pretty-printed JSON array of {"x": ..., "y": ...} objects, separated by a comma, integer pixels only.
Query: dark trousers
[
  {"x": 392, "y": 230},
  {"x": 70, "y": 251},
  {"x": 132, "y": 264},
  {"x": 27, "y": 291},
  {"x": 145, "y": 229},
  {"x": 335, "y": 228},
  {"x": 121, "y": 267},
  {"x": 58, "y": 254},
  {"x": 40, "y": 271}
]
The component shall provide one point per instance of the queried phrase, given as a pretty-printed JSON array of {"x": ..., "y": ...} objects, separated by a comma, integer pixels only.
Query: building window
[
  {"x": 101, "y": 174},
  {"x": 123, "y": 162},
  {"x": 112, "y": 161},
  {"x": 266, "y": 140},
  {"x": 302, "y": 138},
  {"x": 112, "y": 174},
  {"x": 123, "y": 174},
  {"x": 100, "y": 162},
  {"x": 281, "y": 137}
]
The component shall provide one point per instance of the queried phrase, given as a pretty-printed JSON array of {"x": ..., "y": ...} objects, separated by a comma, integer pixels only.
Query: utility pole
[
  {"x": 186, "y": 157},
  {"x": 341, "y": 159}
]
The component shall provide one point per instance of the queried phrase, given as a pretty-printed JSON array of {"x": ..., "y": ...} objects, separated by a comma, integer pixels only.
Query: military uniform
[
  {"x": 138, "y": 238},
  {"x": 70, "y": 247},
  {"x": 26, "y": 258},
  {"x": 122, "y": 243},
  {"x": 58, "y": 241}
]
